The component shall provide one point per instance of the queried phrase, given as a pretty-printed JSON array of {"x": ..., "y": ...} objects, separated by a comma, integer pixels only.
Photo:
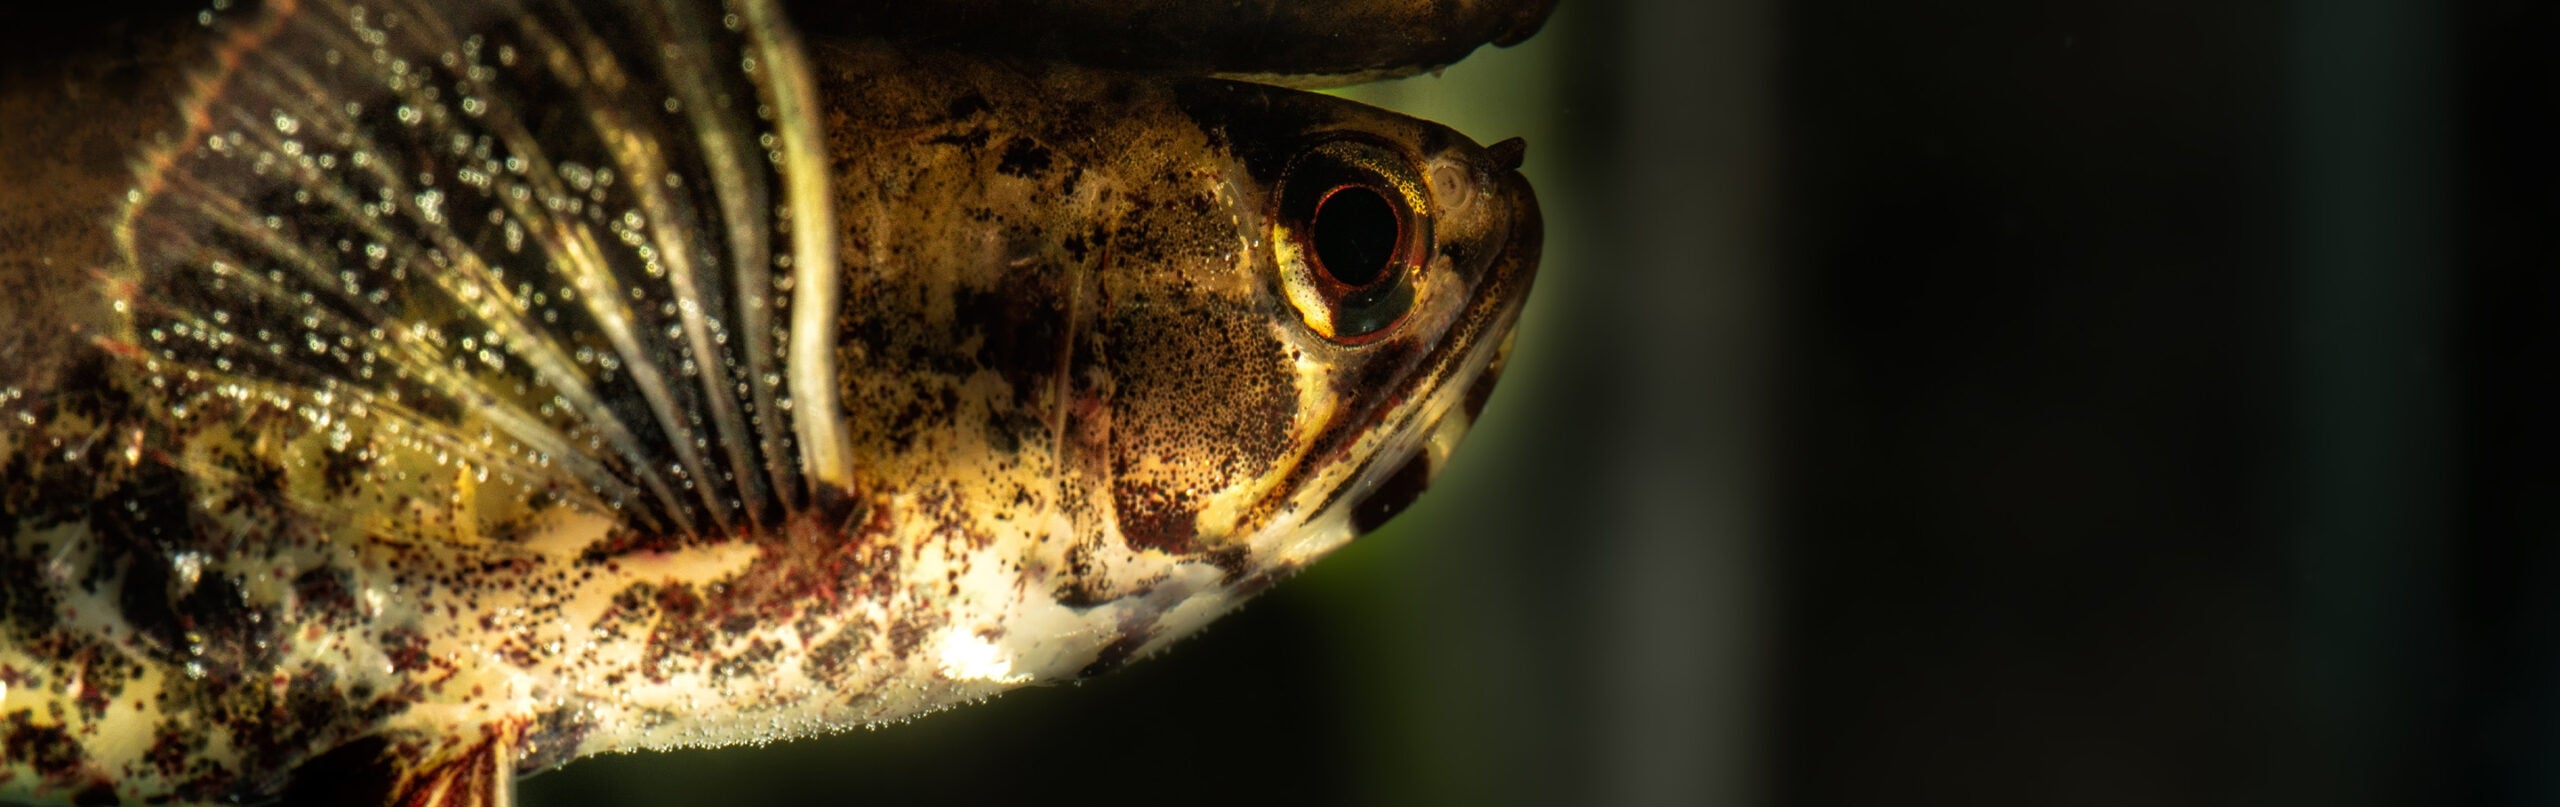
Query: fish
[{"x": 398, "y": 397}]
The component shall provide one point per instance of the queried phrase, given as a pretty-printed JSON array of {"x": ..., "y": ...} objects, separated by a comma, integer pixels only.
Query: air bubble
[
  {"x": 189, "y": 568},
  {"x": 430, "y": 204}
]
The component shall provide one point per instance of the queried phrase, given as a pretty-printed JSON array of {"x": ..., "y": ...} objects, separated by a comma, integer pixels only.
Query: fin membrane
[{"x": 583, "y": 245}]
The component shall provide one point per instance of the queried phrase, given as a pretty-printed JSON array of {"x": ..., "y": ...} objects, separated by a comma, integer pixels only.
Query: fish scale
[{"x": 450, "y": 392}]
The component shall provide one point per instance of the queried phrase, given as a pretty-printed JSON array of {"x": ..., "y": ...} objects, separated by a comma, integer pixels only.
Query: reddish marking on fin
[
  {"x": 120, "y": 348},
  {"x": 118, "y": 288}
]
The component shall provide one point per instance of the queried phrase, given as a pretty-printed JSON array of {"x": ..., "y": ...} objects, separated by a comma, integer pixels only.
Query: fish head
[
  {"x": 1270, "y": 417},
  {"x": 1167, "y": 340}
]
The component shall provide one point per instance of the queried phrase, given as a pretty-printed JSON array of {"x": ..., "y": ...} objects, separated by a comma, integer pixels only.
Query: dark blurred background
[{"x": 1970, "y": 402}]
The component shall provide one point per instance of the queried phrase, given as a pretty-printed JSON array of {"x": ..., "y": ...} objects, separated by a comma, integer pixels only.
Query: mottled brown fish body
[{"x": 436, "y": 396}]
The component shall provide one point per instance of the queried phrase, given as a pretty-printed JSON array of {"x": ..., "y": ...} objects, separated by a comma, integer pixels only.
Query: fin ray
[{"x": 564, "y": 226}]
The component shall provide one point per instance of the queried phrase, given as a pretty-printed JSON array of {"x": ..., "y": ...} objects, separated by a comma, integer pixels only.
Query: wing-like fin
[{"x": 581, "y": 242}]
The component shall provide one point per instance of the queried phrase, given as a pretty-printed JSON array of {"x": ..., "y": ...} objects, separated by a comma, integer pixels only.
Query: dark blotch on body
[
  {"x": 343, "y": 470},
  {"x": 759, "y": 659},
  {"x": 325, "y": 596},
  {"x": 228, "y": 635},
  {"x": 1024, "y": 158},
  {"x": 1205, "y": 402},
  {"x": 1009, "y": 429},
  {"x": 1114, "y": 656},
  {"x": 829, "y": 659},
  {"x": 26, "y": 611},
  {"x": 406, "y": 650},
  {"x": 681, "y": 637},
  {"x": 1153, "y": 517},
  {"x": 1393, "y": 495},
  {"x": 1083, "y": 586},
  {"x": 968, "y": 106},
  {"x": 50, "y": 750}
]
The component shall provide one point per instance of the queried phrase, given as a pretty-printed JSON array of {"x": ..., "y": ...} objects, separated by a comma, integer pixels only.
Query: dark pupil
[{"x": 1355, "y": 234}]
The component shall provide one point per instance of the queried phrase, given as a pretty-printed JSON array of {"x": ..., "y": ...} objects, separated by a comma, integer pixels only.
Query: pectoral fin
[{"x": 581, "y": 246}]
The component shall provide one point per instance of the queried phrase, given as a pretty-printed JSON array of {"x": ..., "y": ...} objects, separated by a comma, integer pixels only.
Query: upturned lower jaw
[{"x": 1457, "y": 406}]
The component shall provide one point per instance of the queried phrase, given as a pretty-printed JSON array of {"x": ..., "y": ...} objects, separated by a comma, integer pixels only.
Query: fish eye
[
  {"x": 1352, "y": 231},
  {"x": 1355, "y": 231}
]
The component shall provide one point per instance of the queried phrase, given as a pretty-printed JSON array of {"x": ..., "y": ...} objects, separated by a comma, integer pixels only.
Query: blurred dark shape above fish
[{"x": 1316, "y": 43}]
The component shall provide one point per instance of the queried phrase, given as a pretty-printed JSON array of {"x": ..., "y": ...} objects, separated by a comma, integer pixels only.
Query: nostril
[{"x": 1452, "y": 187}]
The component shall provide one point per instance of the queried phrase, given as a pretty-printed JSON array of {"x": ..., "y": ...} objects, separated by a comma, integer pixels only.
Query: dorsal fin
[{"x": 582, "y": 243}]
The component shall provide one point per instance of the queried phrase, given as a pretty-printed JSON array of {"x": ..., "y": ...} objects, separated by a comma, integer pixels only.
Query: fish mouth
[
  {"x": 1388, "y": 496},
  {"x": 1480, "y": 351},
  {"x": 1459, "y": 373}
]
